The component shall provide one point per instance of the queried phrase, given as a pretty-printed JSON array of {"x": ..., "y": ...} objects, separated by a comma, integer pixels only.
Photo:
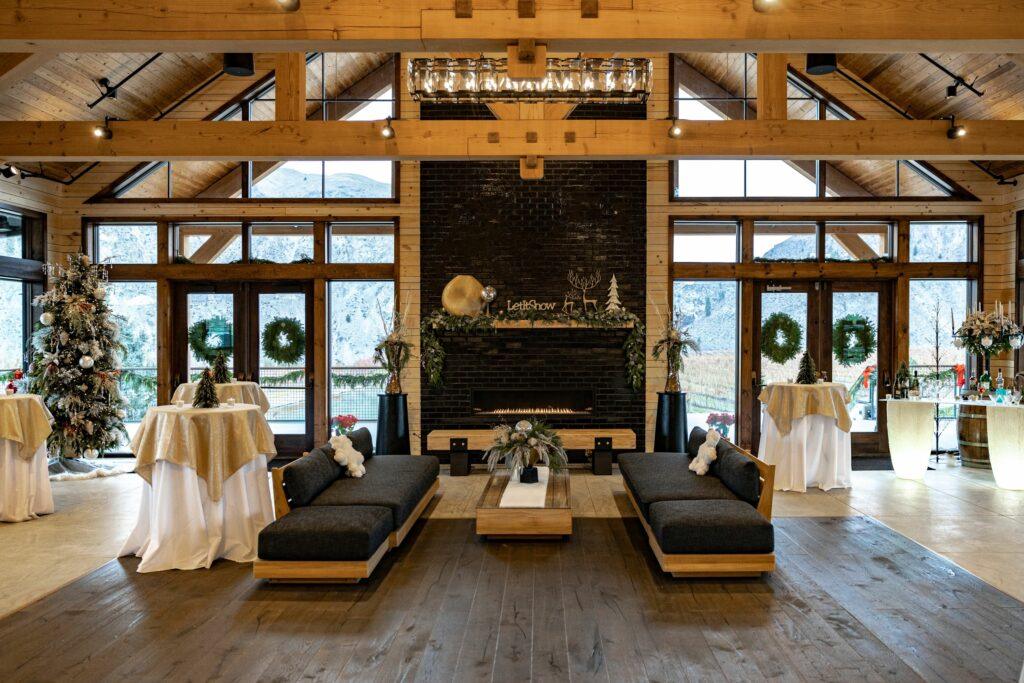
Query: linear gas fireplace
[{"x": 515, "y": 402}]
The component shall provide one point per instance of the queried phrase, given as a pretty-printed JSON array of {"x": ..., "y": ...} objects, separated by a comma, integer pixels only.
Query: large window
[
  {"x": 125, "y": 242},
  {"x": 709, "y": 310},
  {"x": 135, "y": 305},
  {"x": 942, "y": 241},
  {"x": 12, "y": 234},
  {"x": 282, "y": 242},
  {"x": 209, "y": 242},
  {"x": 705, "y": 242},
  {"x": 785, "y": 241},
  {"x": 12, "y": 321},
  {"x": 22, "y": 249},
  {"x": 362, "y": 242}
]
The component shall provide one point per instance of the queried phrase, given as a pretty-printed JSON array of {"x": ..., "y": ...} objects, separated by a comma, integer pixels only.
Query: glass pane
[
  {"x": 151, "y": 185},
  {"x": 705, "y": 242},
  {"x": 206, "y": 179},
  {"x": 945, "y": 241},
  {"x": 708, "y": 310},
  {"x": 776, "y": 178},
  {"x": 12, "y": 235},
  {"x": 134, "y": 304},
  {"x": 126, "y": 242},
  {"x": 793, "y": 304},
  {"x": 284, "y": 382},
  {"x": 282, "y": 242},
  {"x": 262, "y": 108},
  {"x": 12, "y": 321},
  {"x": 914, "y": 182},
  {"x": 709, "y": 178},
  {"x": 785, "y": 241},
  {"x": 356, "y": 327},
  {"x": 210, "y": 242},
  {"x": 288, "y": 180},
  {"x": 857, "y": 241},
  {"x": 358, "y": 179},
  {"x": 937, "y": 308},
  {"x": 218, "y": 312},
  {"x": 860, "y": 178},
  {"x": 859, "y": 376},
  {"x": 362, "y": 243}
]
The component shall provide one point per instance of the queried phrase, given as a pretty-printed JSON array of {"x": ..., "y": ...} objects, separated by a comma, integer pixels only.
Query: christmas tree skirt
[{"x": 64, "y": 469}]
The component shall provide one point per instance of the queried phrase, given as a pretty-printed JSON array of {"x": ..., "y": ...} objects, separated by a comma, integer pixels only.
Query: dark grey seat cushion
[
  {"x": 307, "y": 477},
  {"x": 654, "y": 477},
  {"x": 362, "y": 441},
  {"x": 710, "y": 526},
  {"x": 326, "y": 534},
  {"x": 734, "y": 469},
  {"x": 697, "y": 438},
  {"x": 397, "y": 482}
]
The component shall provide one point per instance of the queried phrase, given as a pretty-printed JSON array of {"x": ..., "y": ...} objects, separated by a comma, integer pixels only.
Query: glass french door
[
  {"x": 236, "y": 318},
  {"x": 816, "y": 307}
]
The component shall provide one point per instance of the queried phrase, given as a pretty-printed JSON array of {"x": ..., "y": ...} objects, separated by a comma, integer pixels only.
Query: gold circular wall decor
[{"x": 462, "y": 296}]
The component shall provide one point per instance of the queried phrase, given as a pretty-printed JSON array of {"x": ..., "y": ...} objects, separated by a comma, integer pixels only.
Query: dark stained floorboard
[{"x": 850, "y": 601}]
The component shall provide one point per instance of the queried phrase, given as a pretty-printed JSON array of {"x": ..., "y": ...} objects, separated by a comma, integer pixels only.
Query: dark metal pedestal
[
  {"x": 670, "y": 430},
  {"x": 393, "y": 425}
]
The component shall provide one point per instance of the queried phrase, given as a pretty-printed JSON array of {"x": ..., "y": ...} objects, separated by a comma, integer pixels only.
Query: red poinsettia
[{"x": 343, "y": 424}]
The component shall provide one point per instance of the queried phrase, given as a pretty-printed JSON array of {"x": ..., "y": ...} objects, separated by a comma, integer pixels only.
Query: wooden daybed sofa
[
  {"x": 331, "y": 527},
  {"x": 716, "y": 525}
]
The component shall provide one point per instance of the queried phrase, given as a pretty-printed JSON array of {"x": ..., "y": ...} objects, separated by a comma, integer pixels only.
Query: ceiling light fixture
[
  {"x": 676, "y": 130},
  {"x": 107, "y": 89},
  {"x": 239, "y": 64},
  {"x": 766, "y": 5},
  {"x": 573, "y": 79},
  {"x": 954, "y": 131},
  {"x": 821, "y": 64},
  {"x": 102, "y": 131},
  {"x": 8, "y": 171},
  {"x": 289, "y": 5},
  {"x": 953, "y": 90},
  {"x": 387, "y": 132}
]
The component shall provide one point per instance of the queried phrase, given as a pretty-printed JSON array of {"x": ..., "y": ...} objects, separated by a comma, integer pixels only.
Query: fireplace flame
[{"x": 549, "y": 410}]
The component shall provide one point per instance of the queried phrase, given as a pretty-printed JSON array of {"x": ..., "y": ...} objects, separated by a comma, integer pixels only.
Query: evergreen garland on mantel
[{"x": 432, "y": 353}]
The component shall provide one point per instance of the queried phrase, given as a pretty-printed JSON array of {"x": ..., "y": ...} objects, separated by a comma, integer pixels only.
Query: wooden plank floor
[{"x": 851, "y": 601}]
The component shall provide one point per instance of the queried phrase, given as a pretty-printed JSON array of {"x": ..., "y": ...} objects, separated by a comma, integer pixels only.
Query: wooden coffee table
[{"x": 552, "y": 520}]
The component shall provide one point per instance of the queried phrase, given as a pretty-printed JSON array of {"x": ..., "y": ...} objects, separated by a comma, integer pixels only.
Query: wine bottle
[{"x": 1000, "y": 382}]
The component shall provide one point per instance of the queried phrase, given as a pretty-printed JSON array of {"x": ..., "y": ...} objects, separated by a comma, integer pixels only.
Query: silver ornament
[
  {"x": 100, "y": 293},
  {"x": 46, "y": 318},
  {"x": 986, "y": 341},
  {"x": 488, "y": 294},
  {"x": 91, "y": 453},
  {"x": 86, "y": 362}
]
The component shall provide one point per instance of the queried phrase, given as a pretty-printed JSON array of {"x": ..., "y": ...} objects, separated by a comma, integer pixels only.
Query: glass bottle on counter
[
  {"x": 972, "y": 384},
  {"x": 1000, "y": 382},
  {"x": 984, "y": 383},
  {"x": 915, "y": 386}
]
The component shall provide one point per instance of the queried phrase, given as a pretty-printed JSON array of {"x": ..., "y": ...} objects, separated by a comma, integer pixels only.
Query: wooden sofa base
[
  {"x": 705, "y": 566},
  {"x": 294, "y": 571}
]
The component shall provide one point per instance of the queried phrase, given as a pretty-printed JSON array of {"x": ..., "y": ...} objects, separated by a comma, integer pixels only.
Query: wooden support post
[
  {"x": 321, "y": 369},
  {"x": 531, "y": 168},
  {"x": 290, "y": 88},
  {"x": 771, "y": 86},
  {"x": 165, "y": 383},
  {"x": 527, "y": 59}
]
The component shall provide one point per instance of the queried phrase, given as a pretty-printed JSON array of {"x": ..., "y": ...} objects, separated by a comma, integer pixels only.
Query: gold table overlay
[
  {"x": 215, "y": 442},
  {"x": 242, "y": 392},
  {"x": 786, "y": 402},
  {"x": 26, "y": 421}
]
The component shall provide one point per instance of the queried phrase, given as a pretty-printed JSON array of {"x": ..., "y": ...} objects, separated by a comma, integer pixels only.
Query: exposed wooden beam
[
  {"x": 17, "y": 66},
  {"x": 389, "y": 25},
  {"x": 290, "y": 87},
  {"x": 563, "y": 139},
  {"x": 771, "y": 85}
]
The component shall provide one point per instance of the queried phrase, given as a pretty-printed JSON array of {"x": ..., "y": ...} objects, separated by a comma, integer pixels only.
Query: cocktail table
[{"x": 552, "y": 520}]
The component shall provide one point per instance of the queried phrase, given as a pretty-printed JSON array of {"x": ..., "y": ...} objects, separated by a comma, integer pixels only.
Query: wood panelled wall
[{"x": 66, "y": 209}]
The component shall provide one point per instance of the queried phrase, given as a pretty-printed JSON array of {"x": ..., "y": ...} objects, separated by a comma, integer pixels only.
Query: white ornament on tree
[
  {"x": 86, "y": 362},
  {"x": 613, "y": 305},
  {"x": 100, "y": 293},
  {"x": 46, "y": 318}
]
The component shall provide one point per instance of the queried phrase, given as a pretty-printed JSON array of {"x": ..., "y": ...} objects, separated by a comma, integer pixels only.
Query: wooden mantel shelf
[{"x": 555, "y": 325}]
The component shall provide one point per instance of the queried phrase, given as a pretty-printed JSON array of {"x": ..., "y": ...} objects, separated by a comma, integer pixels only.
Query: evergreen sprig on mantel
[{"x": 432, "y": 353}]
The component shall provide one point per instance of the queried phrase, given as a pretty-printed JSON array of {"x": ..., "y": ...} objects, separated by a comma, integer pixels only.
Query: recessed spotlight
[
  {"x": 675, "y": 130},
  {"x": 239, "y": 64},
  {"x": 387, "y": 132},
  {"x": 821, "y": 64},
  {"x": 955, "y": 130},
  {"x": 101, "y": 131},
  {"x": 289, "y": 5}
]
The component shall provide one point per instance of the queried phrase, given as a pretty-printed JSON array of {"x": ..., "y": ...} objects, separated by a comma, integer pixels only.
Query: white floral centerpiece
[
  {"x": 524, "y": 446},
  {"x": 987, "y": 333}
]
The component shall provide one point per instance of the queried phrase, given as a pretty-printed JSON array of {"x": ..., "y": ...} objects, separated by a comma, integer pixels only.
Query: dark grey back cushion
[
  {"x": 738, "y": 472},
  {"x": 362, "y": 441},
  {"x": 696, "y": 440},
  {"x": 307, "y": 477}
]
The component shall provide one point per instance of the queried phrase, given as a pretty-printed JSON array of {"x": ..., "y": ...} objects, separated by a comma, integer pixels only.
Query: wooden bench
[{"x": 572, "y": 439}]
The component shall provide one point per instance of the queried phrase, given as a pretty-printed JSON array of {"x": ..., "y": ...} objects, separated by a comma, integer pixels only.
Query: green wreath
[
  {"x": 199, "y": 334},
  {"x": 294, "y": 345},
  {"x": 786, "y": 350},
  {"x": 863, "y": 336}
]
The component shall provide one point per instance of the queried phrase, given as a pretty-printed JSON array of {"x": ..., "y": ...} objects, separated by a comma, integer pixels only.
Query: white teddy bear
[
  {"x": 707, "y": 453},
  {"x": 347, "y": 456}
]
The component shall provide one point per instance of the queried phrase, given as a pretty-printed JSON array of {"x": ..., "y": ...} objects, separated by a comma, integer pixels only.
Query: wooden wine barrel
[{"x": 972, "y": 436}]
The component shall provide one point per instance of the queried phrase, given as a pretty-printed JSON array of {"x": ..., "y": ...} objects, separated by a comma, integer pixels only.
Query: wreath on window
[
  {"x": 782, "y": 350},
  {"x": 210, "y": 338},
  {"x": 853, "y": 340},
  {"x": 284, "y": 340}
]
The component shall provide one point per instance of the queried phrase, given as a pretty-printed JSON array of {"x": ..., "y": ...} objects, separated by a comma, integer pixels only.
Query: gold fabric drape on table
[
  {"x": 242, "y": 392},
  {"x": 25, "y": 420},
  {"x": 786, "y": 402},
  {"x": 215, "y": 442}
]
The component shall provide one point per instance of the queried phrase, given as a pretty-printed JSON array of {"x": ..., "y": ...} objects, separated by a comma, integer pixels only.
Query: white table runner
[{"x": 519, "y": 495}]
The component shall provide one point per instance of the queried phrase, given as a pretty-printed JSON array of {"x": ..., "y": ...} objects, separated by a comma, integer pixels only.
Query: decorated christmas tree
[
  {"x": 206, "y": 392},
  {"x": 808, "y": 373},
  {"x": 613, "y": 305},
  {"x": 76, "y": 366},
  {"x": 220, "y": 369}
]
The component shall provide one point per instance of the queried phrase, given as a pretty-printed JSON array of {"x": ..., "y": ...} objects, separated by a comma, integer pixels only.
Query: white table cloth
[
  {"x": 207, "y": 494},
  {"x": 242, "y": 392},
  {"x": 815, "y": 451},
  {"x": 25, "y": 491},
  {"x": 1006, "y": 445}
]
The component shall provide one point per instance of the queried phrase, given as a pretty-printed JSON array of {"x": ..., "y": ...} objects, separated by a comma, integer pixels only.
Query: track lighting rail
[{"x": 111, "y": 90}]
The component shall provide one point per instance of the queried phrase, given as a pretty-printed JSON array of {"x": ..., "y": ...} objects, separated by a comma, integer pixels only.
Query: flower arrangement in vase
[
  {"x": 524, "y": 446},
  {"x": 675, "y": 343},
  {"x": 721, "y": 423},
  {"x": 987, "y": 333},
  {"x": 343, "y": 424},
  {"x": 393, "y": 351}
]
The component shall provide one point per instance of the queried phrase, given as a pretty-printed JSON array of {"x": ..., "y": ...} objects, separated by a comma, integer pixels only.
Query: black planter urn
[
  {"x": 670, "y": 425},
  {"x": 393, "y": 425},
  {"x": 528, "y": 475}
]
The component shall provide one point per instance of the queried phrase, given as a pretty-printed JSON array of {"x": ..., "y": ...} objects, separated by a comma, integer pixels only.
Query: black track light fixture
[
  {"x": 102, "y": 131},
  {"x": 9, "y": 171},
  {"x": 821, "y": 63},
  {"x": 953, "y": 90},
  {"x": 955, "y": 131},
  {"x": 387, "y": 132},
  {"x": 107, "y": 89},
  {"x": 675, "y": 130},
  {"x": 239, "y": 64}
]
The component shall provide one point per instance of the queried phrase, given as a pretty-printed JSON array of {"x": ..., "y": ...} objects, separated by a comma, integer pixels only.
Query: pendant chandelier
[{"x": 573, "y": 79}]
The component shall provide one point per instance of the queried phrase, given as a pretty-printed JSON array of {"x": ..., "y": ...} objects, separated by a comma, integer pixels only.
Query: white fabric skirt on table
[
  {"x": 814, "y": 453},
  {"x": 25, "y": 491},
  {"x": 179, "y": 527}
]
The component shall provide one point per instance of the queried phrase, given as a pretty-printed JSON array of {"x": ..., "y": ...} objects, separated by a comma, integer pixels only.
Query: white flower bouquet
[{"x": 527, "y": 444}]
